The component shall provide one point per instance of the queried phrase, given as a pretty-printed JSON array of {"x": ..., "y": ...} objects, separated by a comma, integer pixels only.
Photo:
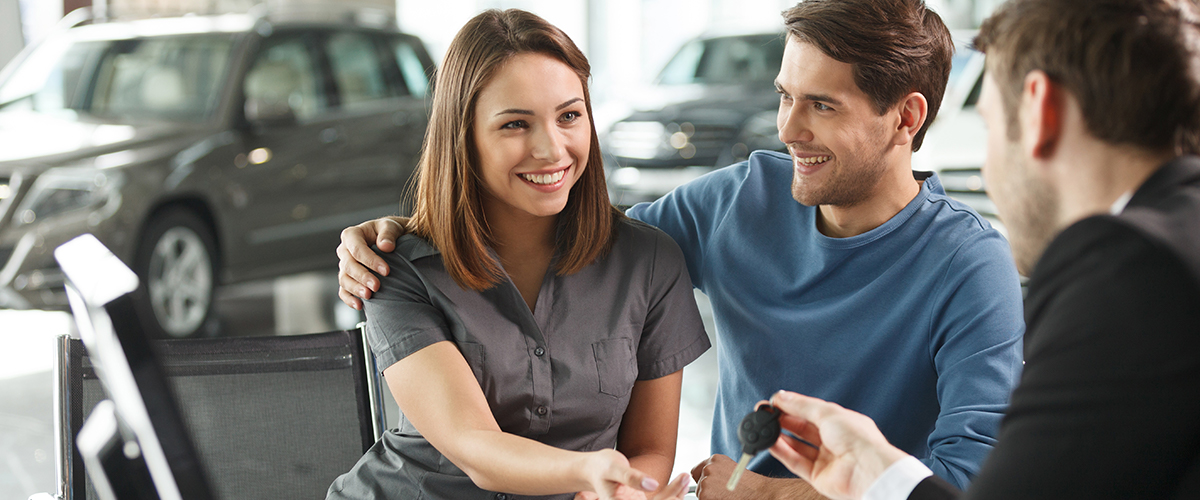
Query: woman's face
[{"x": 533, "y": 136}]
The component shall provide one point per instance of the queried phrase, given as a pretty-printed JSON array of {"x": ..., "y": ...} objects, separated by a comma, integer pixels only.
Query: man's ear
[
  {"x": 1041, "y": 115},
  {"x": 914, "y": 110}
]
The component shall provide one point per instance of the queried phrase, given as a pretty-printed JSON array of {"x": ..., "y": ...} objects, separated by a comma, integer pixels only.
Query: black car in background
[
  {"x": 203, "y": 150},
  {"x": 714, "y": 103}
]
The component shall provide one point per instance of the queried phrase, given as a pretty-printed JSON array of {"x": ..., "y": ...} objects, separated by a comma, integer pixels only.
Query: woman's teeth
[
  {"x": 544, "y": 179},
  {"x": 813, "y": 160}
]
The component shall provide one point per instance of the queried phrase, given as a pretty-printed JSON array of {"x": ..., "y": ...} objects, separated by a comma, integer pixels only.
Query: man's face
[
  {"x": 1026, "y": 204},
  {"x": 837, "y": 141}
]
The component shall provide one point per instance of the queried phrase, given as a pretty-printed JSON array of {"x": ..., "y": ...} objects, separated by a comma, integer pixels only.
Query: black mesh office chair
[{"x": 271, "y": 417}]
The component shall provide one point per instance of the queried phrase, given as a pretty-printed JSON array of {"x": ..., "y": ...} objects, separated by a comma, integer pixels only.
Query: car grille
[
  {"x": 967, "y": 186},
  {"x": 712, "y": 140}
]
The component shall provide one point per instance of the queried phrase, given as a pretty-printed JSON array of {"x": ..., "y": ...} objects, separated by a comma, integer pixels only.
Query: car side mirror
[{"x": 276, "y": 112}]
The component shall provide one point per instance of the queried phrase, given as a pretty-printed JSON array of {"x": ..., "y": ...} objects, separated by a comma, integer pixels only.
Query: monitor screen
[{"x": 99, "y": 289}]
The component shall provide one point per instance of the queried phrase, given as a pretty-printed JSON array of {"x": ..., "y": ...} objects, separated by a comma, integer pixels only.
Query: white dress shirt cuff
[{"x": 898, "y": 480}]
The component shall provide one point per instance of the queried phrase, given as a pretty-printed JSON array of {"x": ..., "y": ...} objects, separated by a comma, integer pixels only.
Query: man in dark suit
[{"x": 1092, "y": 108}]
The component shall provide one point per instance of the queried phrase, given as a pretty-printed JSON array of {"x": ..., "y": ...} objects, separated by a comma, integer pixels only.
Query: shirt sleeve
[
  {"x": 690, "y": 213},
  {"x": 401, "y": 317},
  {"x": 977, "y": 328},
  {"x": 898, "y": 480},
  {"x": 673, "y": 334}
]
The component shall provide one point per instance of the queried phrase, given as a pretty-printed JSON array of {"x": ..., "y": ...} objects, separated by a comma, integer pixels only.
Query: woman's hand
[
  {"x": 611, "y": 478},
  {"x": 674, "y": 491}
]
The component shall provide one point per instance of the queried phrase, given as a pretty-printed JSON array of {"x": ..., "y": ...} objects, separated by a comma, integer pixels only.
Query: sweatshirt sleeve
[
  {"x": 691, "y": 213},
  {"x": 977, "y": 329}
]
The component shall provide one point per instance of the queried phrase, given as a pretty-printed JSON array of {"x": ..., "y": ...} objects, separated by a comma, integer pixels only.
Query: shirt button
[
  {"x": 501, "y": 496},
  {"x": 539, "y": 351},
  {"x": 541, "y": 410}
]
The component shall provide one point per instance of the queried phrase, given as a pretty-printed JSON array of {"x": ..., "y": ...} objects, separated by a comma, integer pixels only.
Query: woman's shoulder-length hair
[{"x": 447, "y": 204}]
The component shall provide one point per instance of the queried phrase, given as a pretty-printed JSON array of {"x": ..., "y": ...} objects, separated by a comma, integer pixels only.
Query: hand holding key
[{"x": 757, "y": 432}]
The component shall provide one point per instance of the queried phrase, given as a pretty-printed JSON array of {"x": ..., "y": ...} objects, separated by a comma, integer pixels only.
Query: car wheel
[{"x": 176, "y": 262}]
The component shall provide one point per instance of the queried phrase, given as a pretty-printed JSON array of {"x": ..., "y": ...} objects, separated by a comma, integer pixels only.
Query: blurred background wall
[{"x": 11, "y": 37}]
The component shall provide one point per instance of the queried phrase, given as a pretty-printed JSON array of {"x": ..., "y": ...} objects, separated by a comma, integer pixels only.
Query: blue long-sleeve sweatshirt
[{"x": 916, "y": 323}]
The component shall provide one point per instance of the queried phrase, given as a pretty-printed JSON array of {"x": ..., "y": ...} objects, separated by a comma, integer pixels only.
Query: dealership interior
[{"x": 258, "y": 284}]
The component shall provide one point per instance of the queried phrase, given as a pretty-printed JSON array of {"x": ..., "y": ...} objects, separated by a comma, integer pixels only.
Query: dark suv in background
[
  {"x": 203, "y": 150},
  {"x": 711, "y": 105}
]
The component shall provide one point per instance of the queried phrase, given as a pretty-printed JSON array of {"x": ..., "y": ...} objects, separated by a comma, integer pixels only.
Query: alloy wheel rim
[{"x": 180, "y": 281}]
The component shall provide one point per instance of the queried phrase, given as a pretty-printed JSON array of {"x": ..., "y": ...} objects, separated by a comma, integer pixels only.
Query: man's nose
[{"x": 794, "y": 125}]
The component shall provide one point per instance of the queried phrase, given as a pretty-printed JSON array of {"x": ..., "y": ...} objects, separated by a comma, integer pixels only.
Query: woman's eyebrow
[
  {"x": 515, "y": 111},
  {"x": 568, "y": 103}
]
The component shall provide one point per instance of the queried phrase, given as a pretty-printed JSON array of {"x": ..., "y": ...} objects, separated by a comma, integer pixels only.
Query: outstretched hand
[
  {"x": 847, "y": 453},
  {"x": 356, "y": 260},
  {"x": 612, "y": 478},
  {"x": 674, "y": 491}
]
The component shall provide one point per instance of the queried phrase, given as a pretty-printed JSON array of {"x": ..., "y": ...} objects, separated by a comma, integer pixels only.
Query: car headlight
[
  {"x": 641, "y": 140},
  {"x": 64, "y": 190}
]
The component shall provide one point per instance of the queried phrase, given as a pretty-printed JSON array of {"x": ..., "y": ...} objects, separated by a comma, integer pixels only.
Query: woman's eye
[
  {"x": 515, "y": 124},
  {"x": 570, "y": 116}
]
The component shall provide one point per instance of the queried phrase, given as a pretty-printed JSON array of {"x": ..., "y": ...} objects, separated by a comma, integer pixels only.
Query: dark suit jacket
[{"x": 1109, "y": 403}]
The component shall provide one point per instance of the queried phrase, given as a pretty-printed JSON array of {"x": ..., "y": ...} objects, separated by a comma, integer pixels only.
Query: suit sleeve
[
  {"x": 1107, "y": 405},
  {"x": 934, "y": 488}
]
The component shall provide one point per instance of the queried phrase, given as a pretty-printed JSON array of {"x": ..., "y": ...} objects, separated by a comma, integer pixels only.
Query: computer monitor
[{"x": 144, "y": 419}]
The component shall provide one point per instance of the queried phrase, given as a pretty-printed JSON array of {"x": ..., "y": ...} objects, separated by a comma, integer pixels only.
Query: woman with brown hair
[{"x": 531, "y": 334}]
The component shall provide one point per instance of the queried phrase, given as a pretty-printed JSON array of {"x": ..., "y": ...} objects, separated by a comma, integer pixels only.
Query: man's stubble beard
[
  {"x": 845, "y": 187},
  {"x": 1031, "y": 213}
]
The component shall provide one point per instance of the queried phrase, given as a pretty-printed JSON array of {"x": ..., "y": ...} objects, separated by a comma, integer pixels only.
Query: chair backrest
[{"x": 271, "y": 417}]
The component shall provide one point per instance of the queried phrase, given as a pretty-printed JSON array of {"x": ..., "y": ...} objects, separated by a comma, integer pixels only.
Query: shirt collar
[{"x": 1119, "y": 205}]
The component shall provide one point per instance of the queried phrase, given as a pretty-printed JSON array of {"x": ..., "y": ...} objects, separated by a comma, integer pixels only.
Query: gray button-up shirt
[{"x": 561, "y": 375}]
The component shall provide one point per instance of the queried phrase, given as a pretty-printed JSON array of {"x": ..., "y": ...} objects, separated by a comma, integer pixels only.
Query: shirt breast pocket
[{"x": 616, "y": 366}]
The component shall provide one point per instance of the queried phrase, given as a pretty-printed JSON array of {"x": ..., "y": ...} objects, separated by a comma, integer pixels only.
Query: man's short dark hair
[
  {"x": 1131, "y": 64},
  {"x": 895, "y": 47}
]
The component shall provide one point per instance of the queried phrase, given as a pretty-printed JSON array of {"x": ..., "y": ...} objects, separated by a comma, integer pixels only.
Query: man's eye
[
  {"x": 515, "y": 124},
  {"x": 821, "y": 106}
]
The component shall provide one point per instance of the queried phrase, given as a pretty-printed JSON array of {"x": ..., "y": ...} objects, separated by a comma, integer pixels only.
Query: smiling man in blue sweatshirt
[{"x": 835, "y": 270}]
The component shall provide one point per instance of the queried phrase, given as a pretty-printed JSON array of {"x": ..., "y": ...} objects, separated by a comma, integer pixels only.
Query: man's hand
[
  {"x": 355, "y": 257},
  {"x": 848, "y": 452},
  {"x": 712, "y": 475}
]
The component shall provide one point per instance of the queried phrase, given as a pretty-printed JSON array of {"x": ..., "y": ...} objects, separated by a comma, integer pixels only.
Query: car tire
[{"x": 176, "y": 263}]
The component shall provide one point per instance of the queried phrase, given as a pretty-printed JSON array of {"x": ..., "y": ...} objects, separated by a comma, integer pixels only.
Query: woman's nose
[{"x": 548, "y": 145}]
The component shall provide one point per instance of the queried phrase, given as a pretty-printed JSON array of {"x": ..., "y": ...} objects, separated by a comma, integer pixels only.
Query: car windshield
[
  {"x": 175, "y": 78},
  {"x": 729, "y": 60}
]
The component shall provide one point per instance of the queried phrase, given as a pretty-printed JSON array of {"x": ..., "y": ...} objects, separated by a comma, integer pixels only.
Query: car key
[{"x": 757, "y": 432}]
